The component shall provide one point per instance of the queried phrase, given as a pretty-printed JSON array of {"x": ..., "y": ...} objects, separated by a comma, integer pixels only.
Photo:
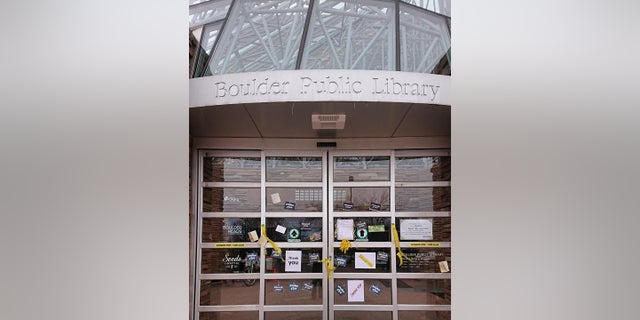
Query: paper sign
[
  {"x": 416, "y": 229},
  {"x": 253, "y": 236},
  {"x": 444, "y": 266},
  {"x": 355, "y": 289},
  {"x": 262, "y": 241},
  {"x": 275, "y": 198},
  {"x": 345, "y": 229},
  {"x": 293, "y": 261},
  {"x": 375, "y": 289},
  {"x": 281, "y": 229},
  {"x": 365, "y": 260}
]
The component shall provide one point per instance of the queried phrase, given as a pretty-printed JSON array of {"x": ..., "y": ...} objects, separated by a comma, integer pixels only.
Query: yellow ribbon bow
[
  {"x": 264, "y": 237},
  {"x": 345, "y": 245},
  {"x": 396, "y": 240},
  {"x": 330, "y": 267}
]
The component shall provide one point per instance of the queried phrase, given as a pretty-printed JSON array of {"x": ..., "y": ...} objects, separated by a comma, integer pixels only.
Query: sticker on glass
[
  {"x": 340, "y": 262},
  {"x": 340, "y": 290},
  {"x": 375, "y": 206},
  {"x": 278, "y": 288},
  {"x": 253, "y": 236},
  {"x": 375, "y": 289},
  {"x": 289, "y": 205},
  {"x": 308, "y": 286},
  {"x": 280, "y": 229},
  {"x": 275, "y": 198},
  {"x": 294, "y": 235},
  {"x": 382, "y": 257},
  {"x": 294, "y": 287},
  {"x": 347, "y": 205}
]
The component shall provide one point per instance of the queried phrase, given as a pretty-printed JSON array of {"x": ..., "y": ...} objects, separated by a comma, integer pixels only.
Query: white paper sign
[
  {"x": 345, "y": 229},
  {"x": 293, "y": 261},
  {"x": 365, "y": 260},
  {"x": 416, "y": 229},
  {"x": 356, "y": 290},
  {"x": 253, "y": 236},
  {"x": 281, "y": 229},
  {"x": 275, "y": 198}
]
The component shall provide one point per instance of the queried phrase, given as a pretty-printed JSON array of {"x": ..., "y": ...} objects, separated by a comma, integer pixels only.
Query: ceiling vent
[{"x": 328, "y": 121}]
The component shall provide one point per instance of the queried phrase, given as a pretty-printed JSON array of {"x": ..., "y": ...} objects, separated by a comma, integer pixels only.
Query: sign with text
[
  {"x": 320, "y": 85},
  {"x": 293, "y": 261}
]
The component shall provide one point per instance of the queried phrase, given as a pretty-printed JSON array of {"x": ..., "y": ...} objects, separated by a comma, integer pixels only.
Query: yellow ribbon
[
  {"x": 330, "y": 267},
  {"x": 396, "y": 240},
  {"x": 273, "y": 244},
  {"x": 345, "y": 245}
]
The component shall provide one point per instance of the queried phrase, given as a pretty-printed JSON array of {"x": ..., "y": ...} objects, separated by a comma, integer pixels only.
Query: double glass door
[{"x": 323, "y": 235}]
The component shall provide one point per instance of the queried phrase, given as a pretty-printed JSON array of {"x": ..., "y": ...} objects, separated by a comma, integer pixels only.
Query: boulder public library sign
[{"x": 320, "y": 85}]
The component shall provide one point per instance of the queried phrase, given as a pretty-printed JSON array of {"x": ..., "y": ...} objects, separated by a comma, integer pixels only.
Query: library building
[{"x": 320, "y": 160}]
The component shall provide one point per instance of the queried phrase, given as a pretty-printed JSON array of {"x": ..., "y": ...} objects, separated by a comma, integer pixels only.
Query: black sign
[
  {"x": 375, "y": 206},
  {"x": 289, "y": 205},
  {"x": 347, "y": 205}
]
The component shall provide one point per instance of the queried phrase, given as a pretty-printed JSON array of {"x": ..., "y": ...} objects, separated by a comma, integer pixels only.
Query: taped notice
[
  {"x": 355, "y": 290},
  {"x": 444, "y": 266},
  {"x": 280, "y": 229},
  {"x": 275, "y": 198},
  {"x": 345, "y": 229},
  {"x": 253, "y": 236},
  {"x": 365, "y": 260}
]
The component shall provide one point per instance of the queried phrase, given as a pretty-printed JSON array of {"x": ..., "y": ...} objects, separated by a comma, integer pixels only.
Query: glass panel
[
  {"x": 363, "y": 315},
  {"x": 421, "y": 169},
  {"x": 231, "y": 199},
  {"x": 423, "y": 199},
  {"x": 204, "y": 49},
  {"x": 361, "y": 169},
  {"x": 310, "y": 260},
  {"x": 294, "y": 199},
  {"x": 225, "y": 292},
  {"x": 360, "y": 199},
  {"x": 377, "y": 292},
  {"x": 221, "y": 169},
  {"x": 440, "y": 6},
  {"x": 225, "y": 315},
  {"x": 378, "y": 258},
  {"x": 293, "y": 291},
  {"x": 291, "y": 315},
  {"x": 424, "y": 41},
  {"x": 230, "y": 260},
  {"x": 425, "y": 260},
  {"x": 294, "y": 229},
  {"x": 356, "y": 34},
  {"x": 424, "y": 315},
  {"x": 229, "y": 229},
  {"x": 424, "y": 229},
  {"x": 424, "y": 291},
  {"x": 367, "y": 228},
  {"x": 205, "y": 13},
  {"x": 260, "y": 35},
  {"x": 294, "y": 169}
]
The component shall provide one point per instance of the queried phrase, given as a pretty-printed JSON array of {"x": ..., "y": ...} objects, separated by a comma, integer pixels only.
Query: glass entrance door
[{"x": 329, "y": 220}]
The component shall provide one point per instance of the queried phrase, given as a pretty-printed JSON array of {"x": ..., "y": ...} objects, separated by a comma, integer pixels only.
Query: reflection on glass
[
  {"x": 422, "y": 169},
  {"x": 377, "y": 292},
  {"x": 369, "y": 229},
  {"x": 294, "y": 169},
  {"x": 297, "y": 315},
  {"x": 425, "y": 260},
  {"x": 351, "y": 35},
  {"x": 227, "y": 260},
  {"x": 361, "y": 199},
  {"x": 294, "y": 229},
  {"x": 424, "y": 41},
  {"x": 294, "y": 199},
  {"x": 286, "y": 291},
  {"x": 260, "y": 36},
  {"x": 440, "y": 6},
  {"x": 226, "y": 292},
  {"x": 424, "y": 291},
  {"x": 423, "y": 199},
  {"x": 346, "y": 262},
  {"x": 440, "y": 229},
  {"x": 310, "y": 260},
  {"x": 360, "y": 315},
  {"x": 361, "y": 169},
  {"x": 225, "y": 315},
  {"x": 231, "y": 199},
  {"x": 221, "y": 169},
  {"x": 424, "y": 315},
  {"x": 229, "y": 229},
  {"x": 212, "y": 11}
]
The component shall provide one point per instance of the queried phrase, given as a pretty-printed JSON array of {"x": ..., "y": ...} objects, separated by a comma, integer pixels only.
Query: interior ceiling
[{"x": 293, "y": 120}]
